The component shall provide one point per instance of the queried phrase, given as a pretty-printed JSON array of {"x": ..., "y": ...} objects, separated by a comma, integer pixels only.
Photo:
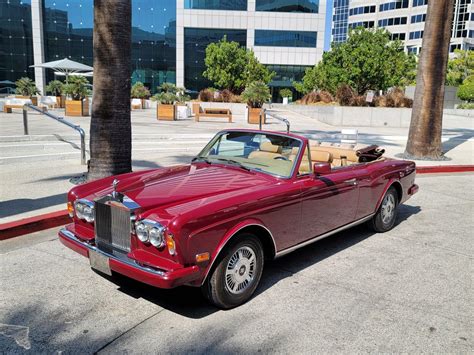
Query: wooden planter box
[
  {"x": 77, "y": 107},
  {"x": 196, "y": 108},
  {"x": 253, "y": 116},
  {"x": 34, "y": 99},
  {"x": 165, "y": 112}
]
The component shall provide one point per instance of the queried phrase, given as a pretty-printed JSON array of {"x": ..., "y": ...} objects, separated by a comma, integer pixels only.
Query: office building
[{"x": 169, "y": 36}]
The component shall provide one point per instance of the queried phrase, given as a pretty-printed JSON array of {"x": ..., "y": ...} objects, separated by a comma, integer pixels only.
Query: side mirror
[{"x": 321, "y": 168}]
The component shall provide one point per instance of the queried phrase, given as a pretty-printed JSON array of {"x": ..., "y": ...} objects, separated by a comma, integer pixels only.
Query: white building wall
[
  {"x": 408, "y": 12},
  {"x": 252, "y": 20}
]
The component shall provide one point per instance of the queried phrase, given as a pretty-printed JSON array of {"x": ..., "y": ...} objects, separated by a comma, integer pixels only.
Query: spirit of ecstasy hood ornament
[{"x": 114, "y": 185}]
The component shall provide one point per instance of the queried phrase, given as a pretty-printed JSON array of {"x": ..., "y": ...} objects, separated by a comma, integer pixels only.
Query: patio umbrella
[
  {"x": 65, "y": 66},
  {"x": 6, "y": 82}
]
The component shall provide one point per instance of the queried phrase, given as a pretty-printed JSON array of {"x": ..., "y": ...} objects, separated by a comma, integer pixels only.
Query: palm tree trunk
[
  {"x": 111, "y": 131},
  {"x": 424, "y": 138}
]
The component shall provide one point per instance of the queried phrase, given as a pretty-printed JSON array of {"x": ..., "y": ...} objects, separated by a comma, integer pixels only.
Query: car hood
[{"x": 181, "y": 184}]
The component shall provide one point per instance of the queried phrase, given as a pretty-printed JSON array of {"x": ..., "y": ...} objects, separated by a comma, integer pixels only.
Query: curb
[
  {"x": 33, "y": 224},
  {"x": 444, "y": 169},
  {"x": 59, "y": 218}
]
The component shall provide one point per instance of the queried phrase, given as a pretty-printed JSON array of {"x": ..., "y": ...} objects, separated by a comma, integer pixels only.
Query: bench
[{"x": 211, "y": 112}]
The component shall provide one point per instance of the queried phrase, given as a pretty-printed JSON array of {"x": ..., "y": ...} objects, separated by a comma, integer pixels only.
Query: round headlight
[
  {"x": 156, "y": 237},
  {"x": 84, "y": 210},
  {"x": 88, "y": 213},
  {"x": 142, "y": 232}
]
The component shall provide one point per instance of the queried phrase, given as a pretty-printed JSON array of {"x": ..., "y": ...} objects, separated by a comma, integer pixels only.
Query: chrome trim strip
[
  {"x": 233, "y": 234},
  {"x": 322, "y": 236},
  {"x": 127, "y": 261}
]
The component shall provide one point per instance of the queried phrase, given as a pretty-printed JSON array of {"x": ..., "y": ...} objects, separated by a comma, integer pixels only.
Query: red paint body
[{"x": 204, "y": 206}]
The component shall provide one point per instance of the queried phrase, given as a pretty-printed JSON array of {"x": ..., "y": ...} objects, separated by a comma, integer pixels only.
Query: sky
[{"x": 327, "y": 37}]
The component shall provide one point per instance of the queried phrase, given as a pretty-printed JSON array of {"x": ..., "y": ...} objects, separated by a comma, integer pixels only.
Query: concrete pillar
[
  {"x": 180, "y": 43},
  {"x": 38, "y": 43}
]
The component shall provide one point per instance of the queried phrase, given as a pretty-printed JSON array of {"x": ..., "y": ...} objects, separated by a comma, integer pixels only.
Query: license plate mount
[{"x": 99, "y": 262}]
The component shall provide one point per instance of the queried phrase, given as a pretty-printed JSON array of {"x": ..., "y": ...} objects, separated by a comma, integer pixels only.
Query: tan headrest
[
  {"x": 314, "y": 143},
  {"x": 269, "y": 147},
  {"x": 319, "y": 155}
]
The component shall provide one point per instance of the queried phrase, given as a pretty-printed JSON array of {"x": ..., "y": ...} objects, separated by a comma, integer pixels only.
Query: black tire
[
  {"x": 386, "y": 215},
  {"x": 217, "y": 289}
]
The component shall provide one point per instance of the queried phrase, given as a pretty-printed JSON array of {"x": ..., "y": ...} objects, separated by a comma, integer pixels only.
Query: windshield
[{"x": 269, "y": 153}]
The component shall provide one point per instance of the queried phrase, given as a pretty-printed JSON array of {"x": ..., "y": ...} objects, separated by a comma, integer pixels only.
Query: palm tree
[
  {"x": 424, "y": 137},
  {"x": 111, "y": 131}
]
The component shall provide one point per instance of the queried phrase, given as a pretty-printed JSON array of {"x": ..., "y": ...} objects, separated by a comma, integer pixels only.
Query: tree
[
  {"x": 424, "y": 137},
  {"x": 368, "y": 60},
  {"x": 460, "y": 67},
  {"x": 111, "y": 131},
  {"x": 230, "y": 66}
]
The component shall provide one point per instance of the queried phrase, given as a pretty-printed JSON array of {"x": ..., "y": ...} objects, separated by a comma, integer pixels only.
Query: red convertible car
[{"x": 249, "y": 196}]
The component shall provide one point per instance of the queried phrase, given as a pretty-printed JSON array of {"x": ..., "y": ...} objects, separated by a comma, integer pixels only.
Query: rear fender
[{"x": 392, "y": 182}]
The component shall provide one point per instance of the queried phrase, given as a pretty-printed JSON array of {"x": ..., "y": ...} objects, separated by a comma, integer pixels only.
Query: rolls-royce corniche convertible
[{"x": 247, "y": 197}]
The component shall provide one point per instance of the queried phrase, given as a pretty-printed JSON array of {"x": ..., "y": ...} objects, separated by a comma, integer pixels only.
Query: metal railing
[
  {"x": 279, "y": 118},
  {"x": 58, "y": 119}
]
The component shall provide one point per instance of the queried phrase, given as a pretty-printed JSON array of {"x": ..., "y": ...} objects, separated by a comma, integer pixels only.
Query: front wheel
[
  {"x": 235, "y": 278},
  {"x": 384, "y": 219}
]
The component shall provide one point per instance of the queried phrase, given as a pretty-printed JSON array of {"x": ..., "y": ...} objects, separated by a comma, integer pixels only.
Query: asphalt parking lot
[{"x": 408, "y": 290}]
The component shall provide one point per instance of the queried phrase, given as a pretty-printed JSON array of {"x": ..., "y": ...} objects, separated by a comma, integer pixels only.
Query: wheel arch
[
  {"x": 398, "y": 187},
  {"x": 253, "y": 227}
]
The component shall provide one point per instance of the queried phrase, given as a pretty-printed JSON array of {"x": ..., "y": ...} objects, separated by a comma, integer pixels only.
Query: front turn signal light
[
  {"x": 70, "y": 209},
  {"x": 200, "y": 258},
  {"x": 170, "y": 244}
]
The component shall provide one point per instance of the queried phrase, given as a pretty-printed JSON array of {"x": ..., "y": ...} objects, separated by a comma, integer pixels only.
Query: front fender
[{"x": 221, "y": 241}]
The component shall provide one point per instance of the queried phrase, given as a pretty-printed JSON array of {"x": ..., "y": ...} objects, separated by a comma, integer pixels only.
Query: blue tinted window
[
  {"x": 16, "y": 43},
  {"x": 419, "y": 2},
  {"x": 401, "y": 4},
  {"x": 311, "y": 6},
  {"x": 195, "y": 42},
  {"x": 216, "y": 4},
  {"x": 68, "y": 28},
  {"x": 285, "y": 38}
]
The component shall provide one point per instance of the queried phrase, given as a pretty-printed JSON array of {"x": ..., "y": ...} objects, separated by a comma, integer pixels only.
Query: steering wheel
[{"x": 281, "y": 158}]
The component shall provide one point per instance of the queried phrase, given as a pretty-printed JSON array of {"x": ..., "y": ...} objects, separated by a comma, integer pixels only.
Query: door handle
[{"x": 351, "y": 181}]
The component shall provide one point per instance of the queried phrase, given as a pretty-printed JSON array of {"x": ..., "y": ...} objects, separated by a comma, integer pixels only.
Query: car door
[{"x": 329, "y": 201}]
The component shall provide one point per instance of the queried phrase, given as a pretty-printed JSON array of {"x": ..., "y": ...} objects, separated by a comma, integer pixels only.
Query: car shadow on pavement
[
  {"x": 22, "y": 205},
  {"x": 189, "y": 301}
]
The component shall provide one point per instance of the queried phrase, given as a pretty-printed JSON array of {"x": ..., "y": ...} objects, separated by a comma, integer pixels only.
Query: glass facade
[
  {"x": 340, "y": 21},
  {"x": 285, "y": 38},
  {"x": 311, "y": 6},
  {"x": 240, "y": 5},
  {"x": 284, "y": 77},
  {"x": 195, "y": 42},
  {"x": 395, "y": 21},
  {"x": 68, "y": 27},
  {"x": 16, "y": 43}
]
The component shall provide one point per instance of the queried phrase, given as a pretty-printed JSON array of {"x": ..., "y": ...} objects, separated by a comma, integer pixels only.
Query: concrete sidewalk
[
  {"x": 35, "y": 170},
  {"x": 405, "y": 291}
]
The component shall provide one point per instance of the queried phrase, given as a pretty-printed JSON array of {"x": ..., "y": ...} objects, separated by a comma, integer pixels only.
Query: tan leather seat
[
  {"x": 267, "y": 151},
  {"x": 340, "y": 156}
]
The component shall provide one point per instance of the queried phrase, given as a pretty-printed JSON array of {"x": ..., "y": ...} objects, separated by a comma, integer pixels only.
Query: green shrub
[
  {"x": 286, "y": 92},
  {"x": 139, "y": 91},
  {"x": 466, "y": 106},
  {"x": 255, "y": 94},
  {"x": 169, "y": 94},
  {"x": 55, "y": 87},
  {"x": 26, "y": 87},
  {"x": 76, "y": 87},
  {"x": 466, "y": 91}
]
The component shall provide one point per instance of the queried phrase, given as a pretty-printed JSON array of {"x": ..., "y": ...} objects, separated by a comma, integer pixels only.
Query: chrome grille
[{"x": 112, "y": 226}]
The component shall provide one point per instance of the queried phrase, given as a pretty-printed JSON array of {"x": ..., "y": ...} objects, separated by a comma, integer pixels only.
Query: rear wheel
[
  {"x": 237, "y": 273},
  {"x": 384, "y": 219}
]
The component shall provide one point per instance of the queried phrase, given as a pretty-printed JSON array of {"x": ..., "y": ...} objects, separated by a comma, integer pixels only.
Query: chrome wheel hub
[
  {"x": 240, "y": 271},
  {"x": 388, "y": 208}
]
